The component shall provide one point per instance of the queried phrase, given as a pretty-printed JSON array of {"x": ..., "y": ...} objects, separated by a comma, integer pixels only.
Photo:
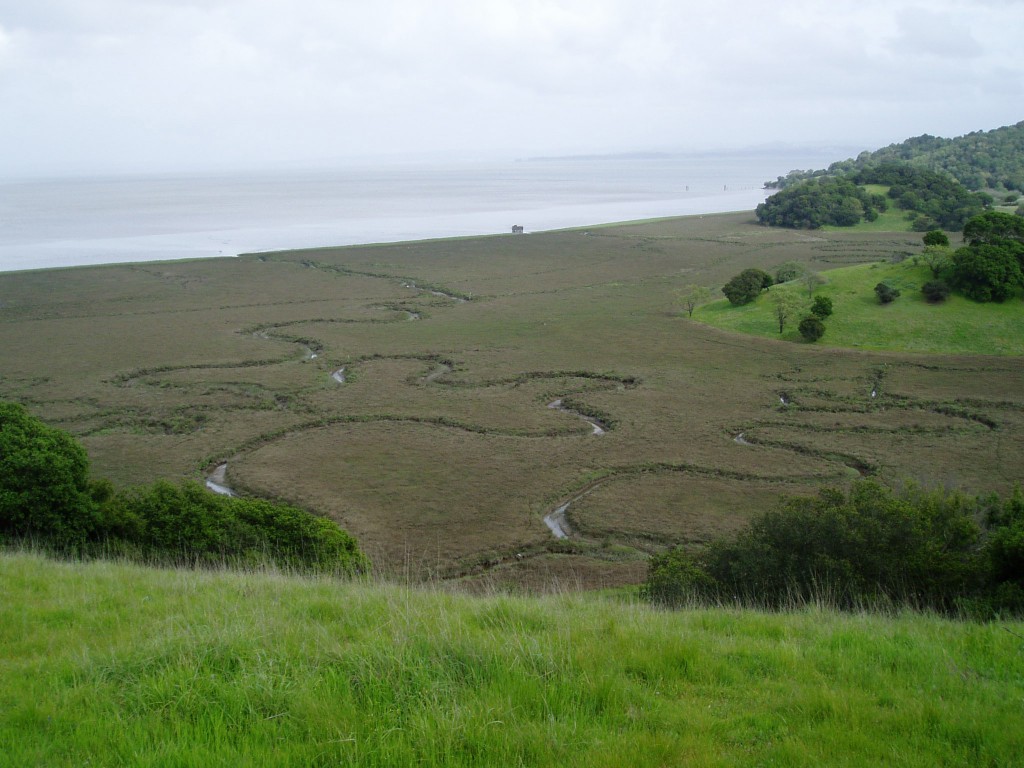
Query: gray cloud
[
  {"x": 940, "y": 35},
  {"x": 124, "y": 84}
]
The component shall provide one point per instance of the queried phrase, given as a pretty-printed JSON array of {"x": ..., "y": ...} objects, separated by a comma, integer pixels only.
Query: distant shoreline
[
  {"x": 133, "y": 258},
  {"x": 380, "y": 243}
]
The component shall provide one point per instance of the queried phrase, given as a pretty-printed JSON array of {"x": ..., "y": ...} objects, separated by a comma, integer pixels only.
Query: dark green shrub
[
  {"x": 919, "y": 547},
  {"x": 936, "y": 237},
  {"x": 935, "y": 291},
  {"x": 1004, "y": 557},
  {"x": 746, "y": 286},
  {"x": 674, "y": 579},
  {"x": 933, "y": 199},
  {"x": 811, "y": 328},
  {"x": 187, "y": 523},
  {"x": 44, "y": 485},
  {"x": 821, "y": 307},
  {"x": 886, "y": 293},
  {"x": 296, "y": 538},
  {"x": 988, "y": 272},
  {"x": 872, "y": 545}
]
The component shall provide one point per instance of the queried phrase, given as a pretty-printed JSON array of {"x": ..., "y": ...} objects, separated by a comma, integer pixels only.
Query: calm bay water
[{"x": 69, "y": 222}]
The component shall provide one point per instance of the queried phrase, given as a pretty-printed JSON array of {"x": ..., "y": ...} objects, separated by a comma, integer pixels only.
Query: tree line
[
  {"x": 48, "y": 498},
  {"x": 932, "y": 200},
  {"x": 937, "y": 200},
  {"x": 978, "y": 160}
]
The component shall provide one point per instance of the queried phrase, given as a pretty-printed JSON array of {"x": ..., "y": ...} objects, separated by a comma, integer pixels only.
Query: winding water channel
[
  {"x": 441, "y": 294},
  {"x": 556, "y": 521},
  {"x": 215, "y": 481},
  {"x": 598, "y": 427}
]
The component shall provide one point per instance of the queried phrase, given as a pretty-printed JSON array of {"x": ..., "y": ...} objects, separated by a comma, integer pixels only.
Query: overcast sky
[{"x": 137, "y": 85}]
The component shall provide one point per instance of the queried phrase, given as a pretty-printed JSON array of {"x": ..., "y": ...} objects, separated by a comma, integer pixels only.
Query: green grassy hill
[
  {"x": 109, "y": 664},
  {"x": 909, "y": 324},
  {"x": 978, "y": 160}
]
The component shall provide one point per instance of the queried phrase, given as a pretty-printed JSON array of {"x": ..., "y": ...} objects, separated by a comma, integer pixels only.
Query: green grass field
[
  {"x": 109, "y": 664},
  {"x": 439, "y": 450},
  {"x": 955, "y": 326}
]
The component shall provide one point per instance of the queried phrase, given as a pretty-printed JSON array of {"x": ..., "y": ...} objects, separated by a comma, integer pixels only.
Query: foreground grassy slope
[
  {"x": 438, "y": 450},
  {"x": 107, "y": 664}
]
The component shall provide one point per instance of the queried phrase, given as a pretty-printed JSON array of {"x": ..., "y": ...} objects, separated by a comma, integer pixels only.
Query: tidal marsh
[{"x": 438, "y": 452}]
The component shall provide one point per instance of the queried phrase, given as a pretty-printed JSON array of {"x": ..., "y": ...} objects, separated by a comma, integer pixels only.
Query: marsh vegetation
[{"x": 437, "y": 448}]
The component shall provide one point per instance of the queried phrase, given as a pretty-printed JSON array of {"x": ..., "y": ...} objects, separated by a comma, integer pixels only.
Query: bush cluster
[
  {"x": 188, "y": 524},
  {"x": 928, "y": 549},
  {"x": 886, "y": 293},
  {"x": 821, "y": 307},
  {"x": 747, "y": 286},
  {"x": 46, "y": 496},
  {"x": 811, "y": 328},
  {"x": 935, "y": 291}
]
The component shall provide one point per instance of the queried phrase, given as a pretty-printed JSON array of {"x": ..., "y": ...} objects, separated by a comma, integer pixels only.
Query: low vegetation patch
[{"x": 869, "y": 547}]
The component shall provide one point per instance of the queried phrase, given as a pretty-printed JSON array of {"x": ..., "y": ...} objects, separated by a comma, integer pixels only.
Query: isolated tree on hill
[
  {"x": 692, "y": 296},
  {"x": 785, "y": 307},
  {"x": 937, "y": 258},
  {"x": 813, "y": 281},
  {"x": 746, "y": 286}
]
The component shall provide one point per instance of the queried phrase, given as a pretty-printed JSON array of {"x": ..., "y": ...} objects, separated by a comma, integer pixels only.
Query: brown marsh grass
[{"x": 439, "y": 451}]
